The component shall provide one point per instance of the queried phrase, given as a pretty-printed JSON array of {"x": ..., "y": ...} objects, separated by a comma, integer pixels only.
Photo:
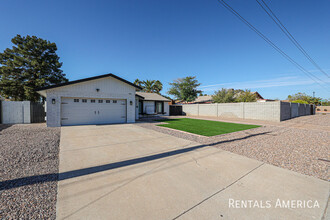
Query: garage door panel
[{"x": 83, "y": 113}]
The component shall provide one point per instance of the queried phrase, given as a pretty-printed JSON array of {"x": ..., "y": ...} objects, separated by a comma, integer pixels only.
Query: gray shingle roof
[
  {"x": 152, "y": 96},
  {"x": 205, "y": 98}
]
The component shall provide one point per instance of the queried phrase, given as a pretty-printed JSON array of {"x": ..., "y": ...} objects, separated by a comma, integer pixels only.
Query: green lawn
[{"x": 204, "y": 127}]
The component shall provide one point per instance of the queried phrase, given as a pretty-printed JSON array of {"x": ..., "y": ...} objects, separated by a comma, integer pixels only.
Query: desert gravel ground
[
  {"x": 301, "y": 144},
  {"x": 28, "y": 171}
]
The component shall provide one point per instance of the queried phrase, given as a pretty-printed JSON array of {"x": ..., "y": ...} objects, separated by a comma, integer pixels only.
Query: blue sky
[{"x": 169, "y": 39}]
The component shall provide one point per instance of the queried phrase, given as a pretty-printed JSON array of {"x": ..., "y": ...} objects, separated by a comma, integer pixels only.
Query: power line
[
  {"x": 306, "y": 72},
  {"x": 272, "y": 15}
]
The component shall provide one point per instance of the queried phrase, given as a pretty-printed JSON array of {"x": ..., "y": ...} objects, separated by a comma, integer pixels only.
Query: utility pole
[{"x": 313, "y": 94}]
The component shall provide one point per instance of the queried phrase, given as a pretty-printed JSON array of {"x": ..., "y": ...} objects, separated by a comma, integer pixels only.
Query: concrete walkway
[{"x": 128, "y": 172}]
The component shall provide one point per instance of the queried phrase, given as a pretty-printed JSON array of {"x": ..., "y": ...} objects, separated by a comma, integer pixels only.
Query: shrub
[{"x": 300, "y": 101}]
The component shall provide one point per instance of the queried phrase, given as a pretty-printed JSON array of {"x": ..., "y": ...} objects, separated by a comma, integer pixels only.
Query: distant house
[
  {"x": 151, "y": 104},
  {"x": 259, "y": 97},
  {"x": 265, "y": 100},
  {"x": 206, "y": 99},
  {"x": 1, "y": 98}
]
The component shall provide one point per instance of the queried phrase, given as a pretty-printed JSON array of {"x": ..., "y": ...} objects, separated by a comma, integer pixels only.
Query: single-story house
[
  {"x": 207, "y": 99},
  {"x": 204, "y": 99},
  {"x": 101, "y": 99},
  {"x": 257, "y": 94},
  {"x": 151, "y": 104},
  {"x": 266, "y": 100}
]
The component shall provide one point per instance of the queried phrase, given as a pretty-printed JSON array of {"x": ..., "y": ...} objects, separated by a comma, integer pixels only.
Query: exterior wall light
[
  {"x": 131, "y": 102},
  {"x": 53, "y": 101},
  {"x": 97, "y": 90}
]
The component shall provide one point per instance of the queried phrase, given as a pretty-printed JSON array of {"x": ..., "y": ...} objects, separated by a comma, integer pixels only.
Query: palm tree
[
  {"x": 148, "y": 85},
  {"x": 153, "y": 86},
  {"x": 158, "y": 86},
  {"x": 138, "y": 82}
]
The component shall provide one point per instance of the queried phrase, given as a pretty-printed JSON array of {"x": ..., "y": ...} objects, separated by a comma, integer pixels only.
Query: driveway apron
[{"x": 128, "y": 172}]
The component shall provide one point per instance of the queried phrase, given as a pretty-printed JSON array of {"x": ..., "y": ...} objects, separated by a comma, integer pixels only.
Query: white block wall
[
  {"x": 253, "y": 110},
  {"x": 208, "y": 110},
  {"x": 191, "y": 109},
  {"x": 108, "y": 88},
  {"x": 16, "y": 112},
  {"x": 230, "y": 110},
  {"x": 269, "y": 111}
]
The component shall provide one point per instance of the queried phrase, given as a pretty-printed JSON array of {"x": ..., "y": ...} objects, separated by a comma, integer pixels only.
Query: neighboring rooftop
[
  {"x": 148, "y": 96},
  {"x": 205, "y": 98},
  {"x": 257, "y": 95}
]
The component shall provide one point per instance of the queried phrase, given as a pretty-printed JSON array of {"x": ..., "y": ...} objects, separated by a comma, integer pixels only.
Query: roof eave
[
  {"x": 139, "y": 96},
  {"x": 88, "y": 79}
]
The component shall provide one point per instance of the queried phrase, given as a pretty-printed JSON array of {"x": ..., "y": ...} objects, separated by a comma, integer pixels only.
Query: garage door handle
[
  {"x": 98, "y": 112},
  {"x": 95, "y": 112}
]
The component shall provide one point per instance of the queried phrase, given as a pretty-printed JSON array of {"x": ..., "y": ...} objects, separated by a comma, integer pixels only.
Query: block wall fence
[
  {"x": 21, "y": 112},
  {"x": 267, "y": 111}
]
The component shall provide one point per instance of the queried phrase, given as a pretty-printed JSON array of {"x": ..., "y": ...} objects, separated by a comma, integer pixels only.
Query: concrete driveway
[{"x": 129, "y": 172}]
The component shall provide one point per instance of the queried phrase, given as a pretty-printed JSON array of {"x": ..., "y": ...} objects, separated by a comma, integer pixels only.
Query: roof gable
[{"x": 89, "y": 79}]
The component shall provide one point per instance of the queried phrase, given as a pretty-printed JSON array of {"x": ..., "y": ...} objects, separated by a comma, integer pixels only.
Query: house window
[
  {"x": 100, "y": 101},
  {"x": 93, "y": 101},
  {"x": 84, "y": 100},
  {"x": 107, "y": 101},
  {"x": 76, "y": 100},
  {"x": 114, "y": 101},
  {"x": 159, "y": 107}
]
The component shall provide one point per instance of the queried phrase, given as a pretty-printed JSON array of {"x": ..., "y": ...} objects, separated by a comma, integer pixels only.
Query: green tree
[
  {"x": 297, "y": 96},
  {"x": 304, "y": 97},
  {"x": 185, "y": 89},
  {"x": 224, "y": 96},
  {"x": 326, "y": 102},
  {"x": 300, "y": 101},
  {"x": 246, "y": 96},
  {"x": 154, "y": 86},
  {"x": 31, "y": 63}
]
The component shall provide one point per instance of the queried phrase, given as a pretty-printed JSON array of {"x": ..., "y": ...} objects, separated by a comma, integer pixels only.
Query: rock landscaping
[{"x": 28, "y": 171}]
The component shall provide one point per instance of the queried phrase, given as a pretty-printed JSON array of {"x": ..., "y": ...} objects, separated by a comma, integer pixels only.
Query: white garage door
[{"x": 80, "y": 111}]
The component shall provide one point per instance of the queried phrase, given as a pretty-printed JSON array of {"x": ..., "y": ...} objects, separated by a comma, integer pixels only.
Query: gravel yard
[
  {"x": 289, "y": 144},
  {"x": 28, "y": 171}
]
